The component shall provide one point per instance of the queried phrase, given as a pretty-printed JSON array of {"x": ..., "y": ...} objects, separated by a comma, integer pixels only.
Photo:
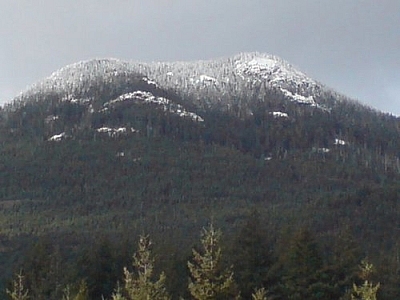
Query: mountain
[
  {"x": 116, "y": 148},
  {"x": 223, "y": 78},
  {"x": 109, "y": 93}
]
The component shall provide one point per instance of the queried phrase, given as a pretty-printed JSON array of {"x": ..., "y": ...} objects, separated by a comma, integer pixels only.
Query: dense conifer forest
[{"x": 127, "y": 190}]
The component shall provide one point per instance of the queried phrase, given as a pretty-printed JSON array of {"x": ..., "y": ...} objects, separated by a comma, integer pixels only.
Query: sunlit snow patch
[
  {"x": 340, "y": 142},
  {"x": 208, "y": 79},
  {"x": 299, "y": 98},
  {"x": 279, "y": 114},
  {"x": 57, "y": 137},
  {"x": 147, "y": 97},
  {"x": 115, "y": 132},
  {"x": 149, "y": 81}
]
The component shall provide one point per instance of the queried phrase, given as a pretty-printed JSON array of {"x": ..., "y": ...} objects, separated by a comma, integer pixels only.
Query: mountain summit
[{"x": 221, "y": 80}]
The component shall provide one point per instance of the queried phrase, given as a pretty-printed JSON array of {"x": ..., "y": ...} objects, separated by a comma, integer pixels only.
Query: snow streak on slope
[{"x": 142, "y": 97}]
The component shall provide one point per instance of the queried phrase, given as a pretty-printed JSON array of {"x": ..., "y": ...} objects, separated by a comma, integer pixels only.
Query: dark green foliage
[
  {"x": 253, "y": 256},
  {"x": 44, "y": 270},
  {"x": 304, "y": 275},
  {"x": 100, "y": 267}
]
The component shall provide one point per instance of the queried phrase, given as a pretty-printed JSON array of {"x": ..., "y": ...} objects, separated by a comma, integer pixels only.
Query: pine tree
[
  {"x": 141, "y": 286},
  {"x": 259, "y": 294},
  {"x": 118, "y": 294},
  {"x": 208, "y": 281},
  {"x": 82, "y": 293},
  {"x": 366, "y": 291},
  {"x": 18, "y": 291}
]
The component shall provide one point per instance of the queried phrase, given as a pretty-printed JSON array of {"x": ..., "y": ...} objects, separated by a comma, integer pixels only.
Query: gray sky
[{"x": 352, "y": 46}]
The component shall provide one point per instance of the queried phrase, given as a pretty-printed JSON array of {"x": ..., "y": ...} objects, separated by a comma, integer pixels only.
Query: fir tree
[
  {"x": 142, "y": 286},
  {"x": 208, "y": 281},
  {"x": 366, "y": 291},
  {"x": 259, "y": 294},
  {"x": 82, "y": 293},
  {"x": 18, "y": 291}
]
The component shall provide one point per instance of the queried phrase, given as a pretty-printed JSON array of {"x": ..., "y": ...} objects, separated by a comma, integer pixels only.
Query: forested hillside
[{"x": 102, "y": 152}]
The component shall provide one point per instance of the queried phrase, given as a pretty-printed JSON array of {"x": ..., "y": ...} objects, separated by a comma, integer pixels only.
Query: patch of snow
[
  {"x": 57, "y": 137},
  {"x": 120, "y": 130},
  {"x": 170, "y": 74},
  {"x": 257, "y": 65},
  {"x": 299, "y": 98},
  {"x": 115, "y": 132},
  {"x": 149, "y": 81},
  {"x": 72, "y": 99},
  {"x": 51, "y": 118},
  {"x": 191, "y": 115},
  {"x": 208, "y": 79},
  {"x": 147, "y": 97},
  {"x": 278, "y": 114},
  {"x": 340, "y": 142},
  {"x": 139, "y": 96},
  {"x": 104, "y": 129}
]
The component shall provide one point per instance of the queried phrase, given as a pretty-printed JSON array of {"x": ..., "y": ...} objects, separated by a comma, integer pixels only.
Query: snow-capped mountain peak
[
  {"x": 209, "y": 83},
  {"x": 279, "y": 74}
]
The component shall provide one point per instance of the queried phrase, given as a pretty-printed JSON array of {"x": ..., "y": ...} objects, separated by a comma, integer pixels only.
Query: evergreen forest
[{"x": 119, "y": 194}]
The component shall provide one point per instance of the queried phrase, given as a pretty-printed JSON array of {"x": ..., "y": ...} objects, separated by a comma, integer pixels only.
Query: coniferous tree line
[{"x": 253, "y": 268}]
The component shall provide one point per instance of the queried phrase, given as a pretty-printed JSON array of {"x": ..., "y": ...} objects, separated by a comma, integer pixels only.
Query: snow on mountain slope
[
  {"x": 142, "y": 97},
  {"x": 226, "y": 78},
  {"x": 210, "y": 83},
  {"x": 78, "y": 78},
  {"x": 274, "y": 70}
]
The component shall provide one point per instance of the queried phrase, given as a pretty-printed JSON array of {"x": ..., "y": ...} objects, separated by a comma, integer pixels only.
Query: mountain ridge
[
  {"x": 251, "y": 86},
  {"x": 226, "y": 76}
]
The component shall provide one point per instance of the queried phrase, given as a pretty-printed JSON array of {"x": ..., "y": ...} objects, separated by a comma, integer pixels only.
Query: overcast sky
[{"x": 352, "y": 46}]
